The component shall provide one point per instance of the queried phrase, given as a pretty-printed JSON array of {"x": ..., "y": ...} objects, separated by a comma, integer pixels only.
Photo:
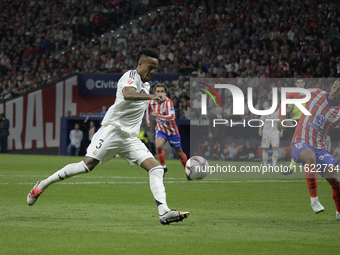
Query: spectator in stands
[
  {"x": 231, "y": 151},
  {"x": 4, "y": 133},
  {"x": 210, "y": 34},
  {"x": 76, "y": 137},
  {"x": 204, "y": 149},
  {"x": 248, "y": 152},
  {"x": 103, "y": 110},
  {"x": 217, "y": 133},
  {"x": 184, "y": 110}
]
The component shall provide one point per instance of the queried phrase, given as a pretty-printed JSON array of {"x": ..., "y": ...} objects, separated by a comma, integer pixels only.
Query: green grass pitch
[{"x": 111, "y": 211}]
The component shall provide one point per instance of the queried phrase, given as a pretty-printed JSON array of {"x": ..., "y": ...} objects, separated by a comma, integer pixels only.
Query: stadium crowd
[{"x": 42, "y": 41}]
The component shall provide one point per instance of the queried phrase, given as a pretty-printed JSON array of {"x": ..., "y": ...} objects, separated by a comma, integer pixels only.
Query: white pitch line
[
  {"x": 206, "y": 180},
  {"x": 88, "y": 177},
  {"x": 213, "y": 181}
]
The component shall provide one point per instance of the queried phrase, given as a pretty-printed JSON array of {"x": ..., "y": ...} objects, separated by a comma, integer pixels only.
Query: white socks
[
  {"x": 157, "y": 188},
  {"x": 275, "y": 157},
  {"x": 64, "y": 173},
  {"x": 265, "y": 157}
]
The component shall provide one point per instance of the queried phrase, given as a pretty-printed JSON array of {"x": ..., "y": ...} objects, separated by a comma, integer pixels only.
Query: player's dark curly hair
[{"x": 147, "y": 53}]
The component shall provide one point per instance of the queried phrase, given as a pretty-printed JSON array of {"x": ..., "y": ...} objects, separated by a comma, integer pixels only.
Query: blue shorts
[
  {"x": 323, "y": 157},
  {"x": 174, "y": 140}
]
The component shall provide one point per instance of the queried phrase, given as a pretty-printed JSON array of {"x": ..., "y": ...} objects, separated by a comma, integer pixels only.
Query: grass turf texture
[{"x": 111, "y": 211}]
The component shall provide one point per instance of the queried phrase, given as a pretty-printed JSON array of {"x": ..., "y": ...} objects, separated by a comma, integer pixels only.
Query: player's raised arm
[{"x": 130, "y": 93}]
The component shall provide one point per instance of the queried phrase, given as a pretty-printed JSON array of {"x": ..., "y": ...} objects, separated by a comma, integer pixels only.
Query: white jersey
[
  {"x": 127, "y": 115},
  {"x": 270, "y": 124}
]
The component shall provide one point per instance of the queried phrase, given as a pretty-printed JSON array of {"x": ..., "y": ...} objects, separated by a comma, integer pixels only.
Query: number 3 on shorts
[{"x": 100, "y": 144}]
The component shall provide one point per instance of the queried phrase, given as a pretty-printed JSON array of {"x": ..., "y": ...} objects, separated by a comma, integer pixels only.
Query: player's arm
[
  {"x": 279, "y": 124},
  {"x": 281, "y": 118},
  {"x": 130, "y": 93},
  {"x": 263, "y": 118},
  {"x": 260, "y": 131},
  {"x": 290, "y": 109},
  {"x": 167, "y": 117},
  {"x": 147, "y": 114},
  {"x": 281, "y": 132}
]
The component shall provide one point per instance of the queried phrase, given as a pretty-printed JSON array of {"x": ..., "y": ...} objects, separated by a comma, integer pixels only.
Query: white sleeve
[{"x": 129, "y": 79}]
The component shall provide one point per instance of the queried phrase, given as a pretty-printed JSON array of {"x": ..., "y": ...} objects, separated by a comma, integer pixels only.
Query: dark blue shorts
[
  {"x": 174, "y": 140},
  {"x": 323, "y": 157}
]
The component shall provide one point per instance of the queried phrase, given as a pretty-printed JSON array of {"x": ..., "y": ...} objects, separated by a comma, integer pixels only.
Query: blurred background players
[
  {"x": 92, "y": 130},
  {"x": 270, "y": 136},
  {"x": 4, "y": 133},
  {"x": 166, "y": 128},
  {"x": 295, "y": 114},
  {"x": 76, "y": 136},
  {"x": 143, "y": 136},
  {"x": 217, "y": 133}
]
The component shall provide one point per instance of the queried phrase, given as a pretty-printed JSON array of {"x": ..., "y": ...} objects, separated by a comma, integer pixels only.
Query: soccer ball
[{"x": 197, "y": 167}]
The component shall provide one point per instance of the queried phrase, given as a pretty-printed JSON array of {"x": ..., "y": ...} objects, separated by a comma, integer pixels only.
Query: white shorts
[
  {"x": 108, "y": 142},
  {"x": 267, "y": 140}
]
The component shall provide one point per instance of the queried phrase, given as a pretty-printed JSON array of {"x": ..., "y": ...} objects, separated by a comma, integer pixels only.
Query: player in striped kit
[
  {"x": 308, "y": 145},
  {"x": 166, "y": 128}
]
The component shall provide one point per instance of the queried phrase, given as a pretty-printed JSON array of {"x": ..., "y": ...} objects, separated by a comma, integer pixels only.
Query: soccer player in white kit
[
  {"x": 270, "y": 136},
  {"x": 118, "y": 135}
]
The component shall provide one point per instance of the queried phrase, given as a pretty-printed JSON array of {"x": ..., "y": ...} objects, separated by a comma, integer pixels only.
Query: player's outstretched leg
[
  {"x": 64, "y": 173},
  {"x": 166, "y": 215},
  {"x": 172, "y": 216},
  {"x": 34, "y": 194}
]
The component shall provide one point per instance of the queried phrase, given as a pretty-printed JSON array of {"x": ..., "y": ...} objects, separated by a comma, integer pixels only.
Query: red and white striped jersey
[
  {"x": 165, "y": 120},
  {"x": 313, "y": 129}
]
